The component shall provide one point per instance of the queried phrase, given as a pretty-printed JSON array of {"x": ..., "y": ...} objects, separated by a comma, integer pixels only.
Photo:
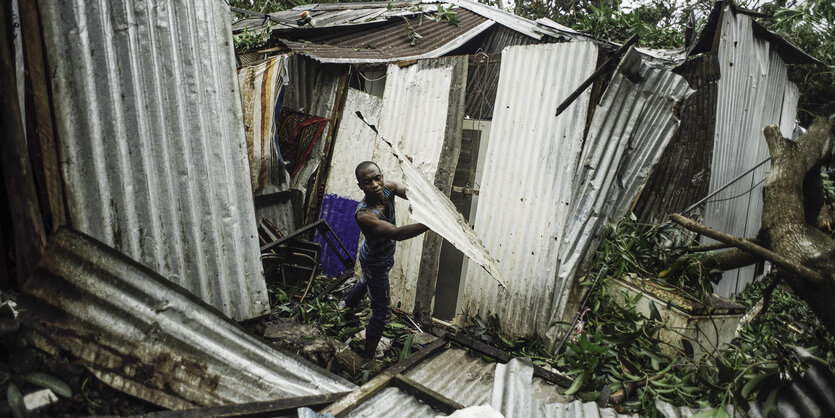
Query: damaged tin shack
[
  {"x": 154, "y": 168},
  {"x": 474, "y": 106}
]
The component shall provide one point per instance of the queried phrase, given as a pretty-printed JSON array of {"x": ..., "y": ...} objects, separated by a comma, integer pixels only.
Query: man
[{"x": 376, "y": 219}]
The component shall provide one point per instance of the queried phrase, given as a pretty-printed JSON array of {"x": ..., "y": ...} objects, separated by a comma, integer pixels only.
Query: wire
[
  {"x": 370, "y": 80},
  {"x": 739, "y": 195}
]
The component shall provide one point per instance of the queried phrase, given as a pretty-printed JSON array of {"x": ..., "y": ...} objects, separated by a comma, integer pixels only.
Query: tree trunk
[{"x": 785, "y": 221}]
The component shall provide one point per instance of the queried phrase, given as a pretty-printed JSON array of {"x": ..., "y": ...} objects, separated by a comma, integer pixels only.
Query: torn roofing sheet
[
  {"x": 432, "y": 208},
  {"x": 630, "y": 129},
  {"x": 150, "y": 338}
]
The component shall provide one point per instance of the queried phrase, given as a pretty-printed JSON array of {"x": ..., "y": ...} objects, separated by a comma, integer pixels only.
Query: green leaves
[
  {"x": 52, "y": 383},
  {"x": 576, "y": 385}
]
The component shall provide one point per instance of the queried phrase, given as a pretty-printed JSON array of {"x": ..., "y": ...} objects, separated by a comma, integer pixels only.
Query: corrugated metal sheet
[
  {"x": 312, "y": 89},
  {"x": 629, "y": 131},
  {"x": 682, "y": 175},
  {"x": 393, "y": 402},
  {"x": 519, "y": 24},
  {"x": 528, "y": 181},
  {"x": 470, "y": 380},
  {"x": 752, "y": 93},
  {"x": 150, "y": 338},
  {"x": 279, "y": 209},
  {"x": 151, "y": 135},
  {"x": 413, "y": 116},
  {"x": 509, "y": 389},
  {"x": 391, "y": 42},
  {"x": 353, "y": 144},
  {"x": 431, "y": 207}
]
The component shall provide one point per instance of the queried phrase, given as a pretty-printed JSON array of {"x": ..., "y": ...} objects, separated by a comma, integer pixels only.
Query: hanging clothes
[{"x": 262, "y": 96}]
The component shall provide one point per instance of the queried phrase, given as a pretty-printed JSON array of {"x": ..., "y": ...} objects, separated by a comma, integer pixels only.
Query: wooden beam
[
  {"x": 427, "y": 279},
  {"x": 351, "y": 401},
  {"x": 428, "y": 396},
  {"x": 40, "y": 125},
  {"x": 614, "y": 59},
  {"x": 29, "y": 237}
]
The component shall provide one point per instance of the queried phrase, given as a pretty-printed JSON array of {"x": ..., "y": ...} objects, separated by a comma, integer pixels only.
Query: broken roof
[
  {"x": 381, "y": 32},
  {"x": 148, "y": 337}
]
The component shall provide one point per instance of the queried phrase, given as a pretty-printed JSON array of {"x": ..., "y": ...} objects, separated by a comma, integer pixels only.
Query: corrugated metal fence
[{"x": 151, "y": 135}]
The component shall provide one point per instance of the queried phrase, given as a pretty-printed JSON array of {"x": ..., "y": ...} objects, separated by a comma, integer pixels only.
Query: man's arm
[
  {"x": 399, "y": 189},
  {"x": 372, "y": 226}
]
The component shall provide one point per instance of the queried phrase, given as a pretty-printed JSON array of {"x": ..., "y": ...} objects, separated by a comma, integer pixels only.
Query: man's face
[{"x": 370, "y": 180}]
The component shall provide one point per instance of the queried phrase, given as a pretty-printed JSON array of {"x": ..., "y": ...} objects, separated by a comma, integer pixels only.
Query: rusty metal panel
[
  {"x": 391, "y": 42},
  {"x": 148, "y": 337},
  {"x": 630, "y": 129},
  {"x": 752, "y": 93},
  {"x": 354, "y": 143},
  {"x": 527, "y": 183},
  {"x": 413, "y": 116},
  {"x": 151, "y": 135}
]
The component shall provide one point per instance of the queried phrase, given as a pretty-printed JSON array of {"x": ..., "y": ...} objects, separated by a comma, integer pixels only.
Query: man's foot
[
  {"x": 382, "y": 346},
  {"x": 374, "y": 366}
]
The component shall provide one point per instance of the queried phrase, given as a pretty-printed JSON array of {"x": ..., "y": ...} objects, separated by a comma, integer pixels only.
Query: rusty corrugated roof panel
[
  {"x": 150, "y": 129},
  {"x": 390, "y": 42},
  {"x": 148, "y": 337}
]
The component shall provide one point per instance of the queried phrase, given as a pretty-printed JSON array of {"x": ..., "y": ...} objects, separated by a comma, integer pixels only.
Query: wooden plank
[
  {"x": 318, "y": 190},
  {"x": 614, "y": 59},
  {"x": 428, "y": 396},
  {"x": 256, "y": 409},
  {"x": 40, "y": 126},
  {"x": 366, "y": 391},
  {"x": 445, "y": 173},
  {"x": 29, "y": 237}
]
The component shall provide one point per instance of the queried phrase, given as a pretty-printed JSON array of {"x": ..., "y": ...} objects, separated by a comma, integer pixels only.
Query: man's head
[{"x": 370, "y": 179}]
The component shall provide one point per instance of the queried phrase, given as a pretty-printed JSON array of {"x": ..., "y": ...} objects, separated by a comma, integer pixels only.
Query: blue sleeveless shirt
[{"x": 378, "y": 250}]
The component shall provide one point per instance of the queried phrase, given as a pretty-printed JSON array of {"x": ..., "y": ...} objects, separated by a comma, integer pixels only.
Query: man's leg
[
  {"x": 378, "y": 292},
  {"x": 357, "y": 292}
]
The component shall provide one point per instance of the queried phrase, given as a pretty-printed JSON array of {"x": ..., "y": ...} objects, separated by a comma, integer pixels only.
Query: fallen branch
[
  {"x": 744, "y": 244},
  {"x": 725, "y": 260}
]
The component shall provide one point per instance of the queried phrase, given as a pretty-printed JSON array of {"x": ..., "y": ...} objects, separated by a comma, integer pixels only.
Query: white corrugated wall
[
  {"x": 151, "y": 135},
  {"x": 753, "y": 92},
  {"x": 528, "y": 181},
  {"x": 414, "y": 116}
]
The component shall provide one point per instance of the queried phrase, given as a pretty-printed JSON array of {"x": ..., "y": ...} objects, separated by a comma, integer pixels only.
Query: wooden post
[{"x": 29, "y": 238}]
